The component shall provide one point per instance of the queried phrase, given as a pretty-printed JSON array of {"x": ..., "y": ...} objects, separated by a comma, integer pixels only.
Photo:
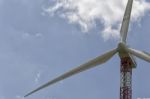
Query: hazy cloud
[
  {"x": 31, "y": 35},
  {"x": 20, "y": 97},
  {"x": 38, "y": 75},
  {"x": 108, "y": 12}
]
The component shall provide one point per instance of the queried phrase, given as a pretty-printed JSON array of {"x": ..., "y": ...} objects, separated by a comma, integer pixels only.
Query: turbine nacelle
[{"x": 124, "y": 54}]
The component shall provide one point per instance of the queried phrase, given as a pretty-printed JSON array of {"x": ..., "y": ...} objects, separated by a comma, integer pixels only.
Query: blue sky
[{"x": 35, "y": 47}]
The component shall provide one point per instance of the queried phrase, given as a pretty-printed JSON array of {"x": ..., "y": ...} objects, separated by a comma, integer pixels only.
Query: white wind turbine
[{"x": 126, "y": 56}]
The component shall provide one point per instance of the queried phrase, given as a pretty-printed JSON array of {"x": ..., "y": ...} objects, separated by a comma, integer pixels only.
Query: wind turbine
[{"x": 125, "y": 53}]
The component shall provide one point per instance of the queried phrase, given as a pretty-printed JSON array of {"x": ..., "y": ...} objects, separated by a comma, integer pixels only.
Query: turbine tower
[{"x": 127, "y": 62}]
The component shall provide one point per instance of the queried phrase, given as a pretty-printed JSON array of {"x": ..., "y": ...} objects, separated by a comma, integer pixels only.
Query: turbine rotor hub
[
  {"x": 122, "y": 50},
  {"x": 122, "y": 47}
]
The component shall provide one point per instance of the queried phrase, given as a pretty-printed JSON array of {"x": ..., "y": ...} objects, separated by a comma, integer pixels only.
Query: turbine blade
[
  {"x": 126, "y": 20},
  {"x": 92, "y": 63},
  {"x": 140, "y": 54}
]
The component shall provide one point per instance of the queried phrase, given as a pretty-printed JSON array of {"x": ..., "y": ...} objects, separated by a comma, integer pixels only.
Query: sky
[{"x": 41, "y": 39}]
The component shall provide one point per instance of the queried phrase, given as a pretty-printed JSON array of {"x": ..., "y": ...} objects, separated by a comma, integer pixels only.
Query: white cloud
[{"x": 108, "y": 12}]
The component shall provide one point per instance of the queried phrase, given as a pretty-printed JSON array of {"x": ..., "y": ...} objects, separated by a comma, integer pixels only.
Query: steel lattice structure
[{"x": 126, "y": 78}]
